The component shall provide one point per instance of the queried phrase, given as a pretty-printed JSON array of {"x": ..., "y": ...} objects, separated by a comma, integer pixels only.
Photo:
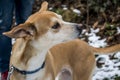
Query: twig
[{"x": 87, "y": 20}]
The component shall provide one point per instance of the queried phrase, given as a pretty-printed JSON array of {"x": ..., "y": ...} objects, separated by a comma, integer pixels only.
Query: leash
[
  {"x": 10, "y": 72},
  {"x": 23, "y": 72}
]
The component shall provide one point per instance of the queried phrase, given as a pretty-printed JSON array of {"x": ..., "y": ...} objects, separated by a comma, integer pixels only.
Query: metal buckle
[{"x": 10, "y": 72}]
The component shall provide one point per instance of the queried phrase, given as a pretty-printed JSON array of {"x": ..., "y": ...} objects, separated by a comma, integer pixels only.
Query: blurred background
[{"x": 102, "y": 14}]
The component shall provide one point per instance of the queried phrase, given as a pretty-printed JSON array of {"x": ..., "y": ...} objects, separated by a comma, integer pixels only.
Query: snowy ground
[{"x": 111, "y": 68}]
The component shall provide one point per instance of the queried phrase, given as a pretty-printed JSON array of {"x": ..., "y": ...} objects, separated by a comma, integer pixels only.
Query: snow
[
  {"x": 76, "y": 11},
  {"x": 118, "y": 30},
  {"x": 64, "y": 7},
  {"x": 118, "y": 55},
  {"x": 13, "y": 40},
  {"x": 110, "y": 68},
  {"x": 94, "y": 40},
  {"x": 51, "y": 8}
]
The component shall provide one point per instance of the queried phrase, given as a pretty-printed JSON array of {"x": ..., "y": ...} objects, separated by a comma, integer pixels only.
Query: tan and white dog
[{"x": 70, "y": 60}]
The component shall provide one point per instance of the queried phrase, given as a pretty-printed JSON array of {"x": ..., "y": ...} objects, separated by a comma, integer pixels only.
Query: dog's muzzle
[{"x": 79, "y": 28}]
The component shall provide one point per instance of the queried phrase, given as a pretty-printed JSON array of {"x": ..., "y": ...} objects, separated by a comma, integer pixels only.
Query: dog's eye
[{"x": 56, "y": 26}]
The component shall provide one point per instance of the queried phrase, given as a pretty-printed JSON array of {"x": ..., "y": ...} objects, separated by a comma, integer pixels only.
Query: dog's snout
[{"x": 79, "y": 27}]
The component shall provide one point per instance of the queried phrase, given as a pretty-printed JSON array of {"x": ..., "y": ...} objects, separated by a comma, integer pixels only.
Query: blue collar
[{"x": 24, "y": 72}]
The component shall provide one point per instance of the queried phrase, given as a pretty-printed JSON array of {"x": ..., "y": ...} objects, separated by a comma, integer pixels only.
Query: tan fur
[
  {"x": 75, "y": 56},
  {"x": 106, "y": 50}
]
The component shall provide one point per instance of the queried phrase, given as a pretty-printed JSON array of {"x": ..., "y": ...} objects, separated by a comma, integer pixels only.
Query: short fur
[{"x": 66, "y": 58}]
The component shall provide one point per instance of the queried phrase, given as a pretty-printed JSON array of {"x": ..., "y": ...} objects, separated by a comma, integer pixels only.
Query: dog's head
[{"x": 46, "y": 27}]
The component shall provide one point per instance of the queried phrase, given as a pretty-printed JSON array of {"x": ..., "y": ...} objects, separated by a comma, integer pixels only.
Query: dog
[{"x": 47, "y": 48}]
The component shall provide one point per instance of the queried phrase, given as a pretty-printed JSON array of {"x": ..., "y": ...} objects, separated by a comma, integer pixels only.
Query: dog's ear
[
  {"x": 22, "y": 31},
  {"x": 44, "y": 6}
]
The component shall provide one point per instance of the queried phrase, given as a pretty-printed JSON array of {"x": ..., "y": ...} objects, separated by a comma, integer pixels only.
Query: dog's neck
[{"x": 28, "y": 55}]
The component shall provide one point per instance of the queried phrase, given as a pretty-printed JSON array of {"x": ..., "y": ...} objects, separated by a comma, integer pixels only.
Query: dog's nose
[{"x": 79, "y": 27}]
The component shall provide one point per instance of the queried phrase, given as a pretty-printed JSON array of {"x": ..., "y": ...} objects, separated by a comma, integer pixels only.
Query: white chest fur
[{"x": 34, "y": 63}]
